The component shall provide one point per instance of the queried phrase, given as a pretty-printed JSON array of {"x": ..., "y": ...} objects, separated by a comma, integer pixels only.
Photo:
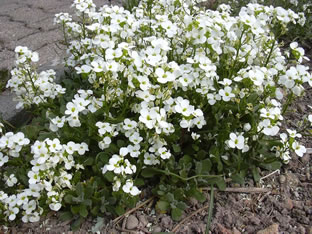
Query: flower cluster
[
  {"x": 29, "y": 86},
  {"x": 11, "y": 144},
  {"x": 52, "y": 165},
  {"x": 180, "y": 52}
]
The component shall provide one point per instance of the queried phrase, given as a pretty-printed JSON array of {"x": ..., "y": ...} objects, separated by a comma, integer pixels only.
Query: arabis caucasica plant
[{"x": 168, "y": 96}]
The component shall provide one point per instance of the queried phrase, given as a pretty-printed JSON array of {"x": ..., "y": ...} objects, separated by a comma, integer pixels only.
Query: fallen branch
[
  {"x": 176, "y": 228},
  {"x": 309, "y": 151},
  {"x": 245, "y": 190},
  {"x": 132, "y": 210},
  {"x": 272, "y": 173}
]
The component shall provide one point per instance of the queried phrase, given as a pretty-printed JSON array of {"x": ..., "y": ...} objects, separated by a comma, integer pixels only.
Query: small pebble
[
  {"x": 143, "y": 220},
  {"x": 235, "y": 231},
  {"x": 132, "y": 222},
  {"x": 157, "y": 229},
  {"x": 273, "y": 229},
  {"x": 289, "y": 204},
  {"x": 305, "y": 158},
  {"x": 193, "y": 201},
  {"x": 282, "y": 179}
]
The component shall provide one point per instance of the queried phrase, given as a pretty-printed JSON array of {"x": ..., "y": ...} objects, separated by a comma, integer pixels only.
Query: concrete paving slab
[
  {"x": 7, "y": 59},
  {"x": 28, "y": 15},
  {"x": 8, "y": 8},
  {"x": 14, "y": 31},
  {"x": 30, "y": 23},
  {"x": 51, "y": 55}
]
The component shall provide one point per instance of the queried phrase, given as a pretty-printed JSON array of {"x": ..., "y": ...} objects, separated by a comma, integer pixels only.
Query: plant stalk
[{"x": 210, "y": 210}]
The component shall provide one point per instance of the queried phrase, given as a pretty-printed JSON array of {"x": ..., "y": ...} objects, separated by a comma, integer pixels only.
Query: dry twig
[
  {"x": 244, "y": 190},
  {"x": 272, "y": 173},
  {"x": 115, "y": 221}
]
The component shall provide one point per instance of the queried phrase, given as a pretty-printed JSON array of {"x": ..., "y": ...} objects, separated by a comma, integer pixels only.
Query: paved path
[{"x": 30, "y": 23}]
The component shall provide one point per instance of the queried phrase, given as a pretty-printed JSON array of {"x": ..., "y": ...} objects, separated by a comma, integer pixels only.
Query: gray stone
[
  {"x": 8, "y": 111},
  {"x": 132, "y": 222}
]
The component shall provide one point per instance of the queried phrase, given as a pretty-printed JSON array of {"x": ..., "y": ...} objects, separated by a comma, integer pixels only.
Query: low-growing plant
[
  {"x": 295, "y": 31},
  {"x": 170, "y": 97}
]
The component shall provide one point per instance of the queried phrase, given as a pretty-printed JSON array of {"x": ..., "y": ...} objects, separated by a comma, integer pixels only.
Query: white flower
[
  {"x": 293, "y": 133},
  {"x": 116, "y": 184},
  {"x": 30, "y": 206},
  {"x": 134, "y": 150},
  {"x": 71, "y": 147},
  {"x": 129, "y": 124},
  {"x": 226, "y": 94},
  {"x": 299, "y": 149},
  {"x": 55, "y": 206},
  {"x": 11, "y": 181},
  {"x": 247, "y": 127},
  {"x": 195, "y": 136},
  {"x": 83, "y": 147},
  {"x": 164, "y": 153},
  {"x": 150, "y": 159},
  {"x": 12, "y": 212},
  {"x": 148, "y": 117},
  {"x": 130, "y": 188},
  {"x": 3, "y": 159},
  {"x": 236, "y": 141},
  {"x": 71, "y": 109},
  {"x": 135, "y": 138},
  {"x": 164, "y": 77},
  {"x": 183, "y": 106},
  {"x": 1, "y": 127},
  {"x": 33, "y": 177}
]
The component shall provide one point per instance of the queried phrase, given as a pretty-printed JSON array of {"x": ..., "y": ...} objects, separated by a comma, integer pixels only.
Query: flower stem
[
  {"x": 183, "y": 178},
  {"x": 210, "y": 210}
]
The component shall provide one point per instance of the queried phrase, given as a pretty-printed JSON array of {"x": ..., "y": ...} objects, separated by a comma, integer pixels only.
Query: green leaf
[
  {"x": 103, "y": 157},
  {"x": 176, "y": 214},
  {"x": 148, "y": 172},
  {"x": 79, "y": 189},
  {"x": 68, "y": 198},
  {"x": 77, "y": 177},
  {"x": 202, "y": 154},
  {"x": 119, "y": 210},
  {"x": 238, "y": 178},
  {"x": 203, "y": 167},
  {"x": 221, "y": 184},
  {"x": 121, "y": 143},
  {"x": 181, "y": 205},
  {"x": 31, "y": 131},
  {"x": 45, "y": 135},
  {"x": 95, "y": 211},
  {"x": 255, "y": 174},
  {"x": 139, "y": 182},
  {"x": 89, "y": 161},
  {"x": 83, "y": 211},
  {"x": 162, "y": 206},
  {"x": 76, "y": 224},
  {"x": 195, "y": 147},
  {"x": 169, "y": 197},
  {"x": 271, "y": 166},
  {"x": 194, "y": 192},
  {"x": 64, "y": 216},
  {"x": 176, "y": 148},
  {"x": 75, "y": 209},
  {"x": 109, "y": 175}
]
